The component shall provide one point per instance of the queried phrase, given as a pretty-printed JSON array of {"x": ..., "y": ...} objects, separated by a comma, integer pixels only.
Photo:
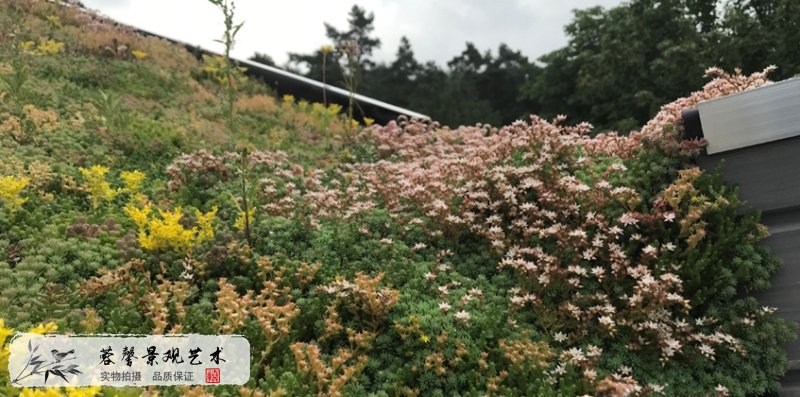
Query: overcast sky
[{"x": 437, "y": 29}]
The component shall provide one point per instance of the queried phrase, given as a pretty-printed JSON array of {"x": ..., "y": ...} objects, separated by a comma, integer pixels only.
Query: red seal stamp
[{"x": 212, "y": 375}]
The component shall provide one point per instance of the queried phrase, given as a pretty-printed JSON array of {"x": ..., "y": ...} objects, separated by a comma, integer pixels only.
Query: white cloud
[{"x": 437, "y": 30}]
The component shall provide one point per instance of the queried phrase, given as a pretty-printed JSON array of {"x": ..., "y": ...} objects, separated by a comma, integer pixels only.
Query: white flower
[
  {"x": 430, "y": 276},
  {"x": 560, "y": 337},
  {"x": 721, "y": 390},
  {"x": 529, "y": 297},
  {"x": 707, "y": 351},
  {"x": 574, "y": 281},
  {"x": 331, "y": 289},
  {"x": 627, "y": 219},
  {"x": 443, "y": 290},
  {"x": 618, "y": 167},
  {"x": 543, "y": 279},
  {"x": 439, "y": 204},
  {"x": 462, "y": 316},
  {"x": 593, "y": 351},
  {"x": 575, "y": 356},
  {"x": 419, "y": 246},
  {"x": 577, "y": 270},
  {"x": 669, "y": 246},
  {"x": 649, "y": 249},
  {"x": 669, "y": 217},
  {"x": 671, "y": 347},
  {"x": 606, "y": 321},
  {"x": 577, "y": 233},
  {"x": 444, "y": 306}
]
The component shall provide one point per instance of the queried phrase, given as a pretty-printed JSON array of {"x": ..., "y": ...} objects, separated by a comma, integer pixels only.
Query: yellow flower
[
  {"x": 99, "y": 189},
  {"x": 168, "y": 232},
  {"x": 46, "y": 392},
  {"x": 302, "y": 105},
  {"x": 139, "y": 216},
  {"x": 317, "y": 108},
  {"x": 10, "y": 188},
  {"x": 147, "y": 241},
  {"x": 27, "y": 46},
  {"x": 55, "y": 20},
  {"x": 240, "y": 220},
  {"x": 204, "y": 222},
  {"x": 42, "y": 329},
  {"x": 354, "y": 123},
  {"x": 4, "y": 332},
  {"x": 138, "y": 54},
  {"x": 49, "y": 47},
  {"x": 288, "y": 99},
  {"x": 424, "y": 338},
  {"x": 83, "y": 391},
  {"x": 133, "y": 180},
  {"x": 326, "y": 49},
  {"x": 334, "y": 109},
  {"x": 4, "y": 350},
  {"x": 368, "y": 121}
]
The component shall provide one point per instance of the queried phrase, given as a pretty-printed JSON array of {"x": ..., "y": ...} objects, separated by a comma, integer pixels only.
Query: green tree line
[{"x": 619, "y": 66}]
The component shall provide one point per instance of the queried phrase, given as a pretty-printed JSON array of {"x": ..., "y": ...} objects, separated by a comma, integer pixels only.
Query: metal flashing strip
[
  {"x": 377, "y": 109},
  {"x": 751, "y": 117}
]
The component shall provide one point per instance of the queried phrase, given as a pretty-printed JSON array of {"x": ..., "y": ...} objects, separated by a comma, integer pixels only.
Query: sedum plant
[
  {"x": 11, "y": 188},
  {"x": 97, "y": 186},
  {"x": 166, "y": 231}
]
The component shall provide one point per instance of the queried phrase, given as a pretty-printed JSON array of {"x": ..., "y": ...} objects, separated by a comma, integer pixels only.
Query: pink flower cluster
[{"x": 552, "y": 200}]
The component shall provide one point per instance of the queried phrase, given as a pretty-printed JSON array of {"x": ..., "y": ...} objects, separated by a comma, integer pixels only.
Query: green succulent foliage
[{"x": 140, "y": 115}]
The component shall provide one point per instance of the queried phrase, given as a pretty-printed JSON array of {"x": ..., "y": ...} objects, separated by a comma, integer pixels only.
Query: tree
[
  {"x": 622, "y": 64},
  {"x": 760, "y": 33},
  {"x": 619, "y": 66},
  {"x": 360, "y": 26},
  {"x": 396, "y": 83},
  {"x": 263, "y": 59}
]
